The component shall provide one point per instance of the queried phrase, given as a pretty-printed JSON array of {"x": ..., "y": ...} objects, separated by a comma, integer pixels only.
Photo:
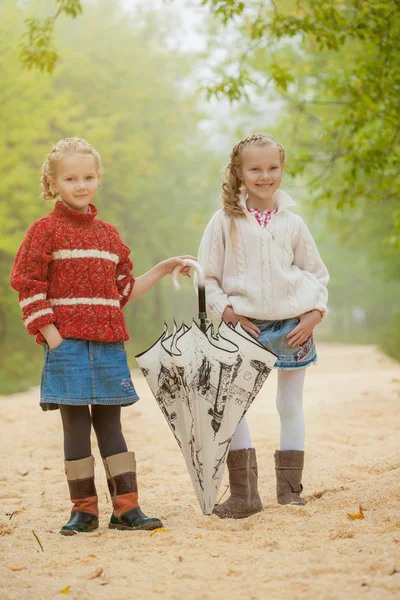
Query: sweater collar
[
  {"x": 282, "y": 200},
  {"x": 62, "y": 210}
]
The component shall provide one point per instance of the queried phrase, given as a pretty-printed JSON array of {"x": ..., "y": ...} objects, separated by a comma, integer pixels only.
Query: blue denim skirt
[
  {"x": 273, "y": 336},
  {"x": 81, "y": 372}
]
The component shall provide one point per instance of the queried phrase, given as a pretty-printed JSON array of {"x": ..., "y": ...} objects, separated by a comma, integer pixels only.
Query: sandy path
[{"x": 352, "y": 457}]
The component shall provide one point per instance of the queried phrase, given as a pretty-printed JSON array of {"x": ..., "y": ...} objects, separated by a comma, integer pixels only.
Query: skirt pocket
[{"x": 273, "y": 337}]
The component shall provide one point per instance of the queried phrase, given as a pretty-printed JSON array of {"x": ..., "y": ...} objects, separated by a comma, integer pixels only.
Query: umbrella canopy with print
[{"x": 204, "y": 381}]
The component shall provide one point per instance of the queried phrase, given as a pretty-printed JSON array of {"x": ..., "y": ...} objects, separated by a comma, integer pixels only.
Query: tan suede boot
[
  {"x": 289, "y": 469},
  {"x": 122, "y": 483},
  {"x": 84, "y": 514},
  {"x": 243, "y": 474}
]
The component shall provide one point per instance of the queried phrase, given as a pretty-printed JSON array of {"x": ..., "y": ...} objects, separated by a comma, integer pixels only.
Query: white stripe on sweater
[
  {"x": 34, "y": 298},
  {"x": 89, "y": 301},
  {"x": 63, "y": 254},
  {"x": 120, "y": 277},
  {"x": 37, "y": 315},
  {"x": 127, "y": 288}
]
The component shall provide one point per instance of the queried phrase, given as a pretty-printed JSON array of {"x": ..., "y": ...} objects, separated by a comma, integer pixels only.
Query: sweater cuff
[
  {"x": 126, "y": 291},
  {"x": 323, "y": 310},
  {"x": 38, "y": 319},
  {"x": 218, "y": 309}
]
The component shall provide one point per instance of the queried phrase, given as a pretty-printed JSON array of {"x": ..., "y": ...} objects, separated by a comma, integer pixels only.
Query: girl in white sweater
[{"x": 263, "y": 269}]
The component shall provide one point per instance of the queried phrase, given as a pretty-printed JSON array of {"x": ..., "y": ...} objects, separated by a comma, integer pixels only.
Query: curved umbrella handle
[
  {"x": 192, "y": 263},
  {"x": 201, "y": 279}
]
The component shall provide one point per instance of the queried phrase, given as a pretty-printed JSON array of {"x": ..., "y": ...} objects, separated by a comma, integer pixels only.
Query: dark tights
[{"x": 77, "y": 424}]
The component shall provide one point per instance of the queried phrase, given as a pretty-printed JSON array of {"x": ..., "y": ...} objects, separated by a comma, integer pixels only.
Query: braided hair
[
  {"x": 73, "y": 145},
  {"x": 231, "y": 181}
]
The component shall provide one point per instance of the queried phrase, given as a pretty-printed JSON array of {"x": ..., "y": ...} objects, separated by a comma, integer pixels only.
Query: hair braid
[{"x": 232, "y": 183}]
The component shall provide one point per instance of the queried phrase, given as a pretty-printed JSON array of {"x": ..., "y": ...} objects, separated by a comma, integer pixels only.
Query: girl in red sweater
[{"x": 74, "y": 276}]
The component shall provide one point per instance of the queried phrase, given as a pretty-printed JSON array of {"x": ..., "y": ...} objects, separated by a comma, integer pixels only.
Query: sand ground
[{"x": 352, "y": 457}]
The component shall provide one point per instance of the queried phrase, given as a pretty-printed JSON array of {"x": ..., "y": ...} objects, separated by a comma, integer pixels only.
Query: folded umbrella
[{"x": 204, "y": 381}]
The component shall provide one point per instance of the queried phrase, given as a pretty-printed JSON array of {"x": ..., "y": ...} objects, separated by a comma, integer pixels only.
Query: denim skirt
[
  {"x": 273, "y": 336},
  {"x": 81, "y": 372}
]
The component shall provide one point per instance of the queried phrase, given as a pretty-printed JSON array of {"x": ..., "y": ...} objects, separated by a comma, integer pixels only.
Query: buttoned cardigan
[{"x": 270, "y": 273}]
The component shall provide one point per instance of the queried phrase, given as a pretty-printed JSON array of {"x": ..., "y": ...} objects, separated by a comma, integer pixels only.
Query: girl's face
[
  {"x": 76, "y": 181},
  {"x": 261, "y": 171}
]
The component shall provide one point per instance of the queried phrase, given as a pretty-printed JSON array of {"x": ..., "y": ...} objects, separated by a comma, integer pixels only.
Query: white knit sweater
[{"x": 272, "y": 273}]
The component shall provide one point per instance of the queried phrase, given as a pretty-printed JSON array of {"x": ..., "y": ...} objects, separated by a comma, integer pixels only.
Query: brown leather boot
[
  {"x": 84, "y": 515},
  {"x": 121, "y": 479},
  {"x": 243, "y": 474},
  {"x": 289, "y": 469}
]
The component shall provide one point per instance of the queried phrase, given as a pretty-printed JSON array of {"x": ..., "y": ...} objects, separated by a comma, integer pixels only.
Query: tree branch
[{"x": 36, "y": 47}]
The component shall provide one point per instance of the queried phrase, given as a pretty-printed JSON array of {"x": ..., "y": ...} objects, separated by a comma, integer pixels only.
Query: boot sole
[
  {"x": 144, "y": 527},
  {"x": 72, "y": 532},
  {"x": 243, "y": 516}
]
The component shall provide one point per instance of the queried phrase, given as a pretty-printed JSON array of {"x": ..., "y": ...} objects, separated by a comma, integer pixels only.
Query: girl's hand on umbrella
[
  {"x": 229, "y": 316},
  {"x": 176, "y": 261},
  {"x": 304, "y": 329}
]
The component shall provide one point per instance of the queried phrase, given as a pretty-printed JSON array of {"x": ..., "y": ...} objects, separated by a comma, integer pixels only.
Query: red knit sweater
[{"x": 73, "y": 270}]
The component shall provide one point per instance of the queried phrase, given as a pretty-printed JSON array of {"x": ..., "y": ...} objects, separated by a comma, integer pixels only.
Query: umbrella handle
[
  {"x": 192, "y": 263},
  {"x": 201, "y": 279}
]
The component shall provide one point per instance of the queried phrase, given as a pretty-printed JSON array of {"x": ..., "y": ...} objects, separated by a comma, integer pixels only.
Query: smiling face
[
  {"x": 261, "y": 171},
  {"x": 76, "y": 180}
]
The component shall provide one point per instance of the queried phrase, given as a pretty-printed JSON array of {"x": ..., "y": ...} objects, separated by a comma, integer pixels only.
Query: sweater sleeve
[
  {"x": 29, "y": 277},
  {"x": 211, "y": 257},
  {"x": 124, "y": 277},
  {"x": 307, "y": 258}
]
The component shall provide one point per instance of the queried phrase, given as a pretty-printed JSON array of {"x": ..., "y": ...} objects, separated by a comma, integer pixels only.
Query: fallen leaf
[
  {"x": 65, "y": 590},
  {"x": 15, "y": 512},
  {"x": 394, "y": 571},
  {"x": 96, "y": 573},
  {"x": 158, "y": 530},
  {"x": 359, "y": 515},
  {"x": 38, "y": 541},
  {"x": 92, "y": 556},
  {"x": 16, "y": 568},
  {"x": 180, "y": 558}
]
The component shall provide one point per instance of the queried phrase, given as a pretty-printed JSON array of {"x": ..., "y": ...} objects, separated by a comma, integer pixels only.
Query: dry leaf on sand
[
  {"x": 65, "y": 590},
  {"x": 158, "y": 530},
  {"x": 359, "y": 515}
]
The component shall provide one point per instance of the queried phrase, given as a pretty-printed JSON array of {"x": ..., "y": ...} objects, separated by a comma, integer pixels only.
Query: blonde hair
[
  {"x": 73, "y": 145},
  {"x": 231, "y": 182}
]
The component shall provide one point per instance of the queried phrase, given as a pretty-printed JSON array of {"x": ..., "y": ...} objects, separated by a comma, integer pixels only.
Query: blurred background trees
[
  {"x": 320, "y": 76},
  {"x": 331, "y": 66},
  {"x": 121, "y": 85}
]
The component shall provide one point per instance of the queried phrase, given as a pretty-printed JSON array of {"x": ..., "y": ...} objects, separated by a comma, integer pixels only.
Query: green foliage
[
  {"x": 343, "y": 77},
  {"x": 333, "y": 68},
  {"x": 36, "y": 48},
  {"x": 226, "y": 9},
  {"x": 128, "y": 99}
]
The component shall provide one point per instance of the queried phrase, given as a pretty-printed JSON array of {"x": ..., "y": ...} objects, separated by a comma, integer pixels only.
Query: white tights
[{"x": 289, "y": 402}]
